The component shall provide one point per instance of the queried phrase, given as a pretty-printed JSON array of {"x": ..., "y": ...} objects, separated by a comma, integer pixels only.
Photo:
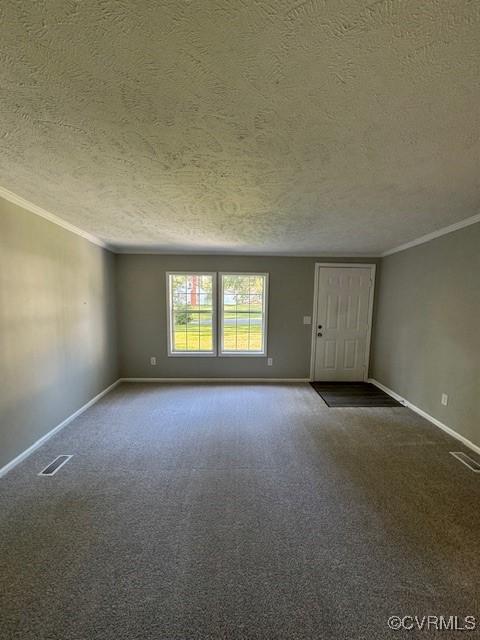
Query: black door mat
[{"x": 353, "y": 394}]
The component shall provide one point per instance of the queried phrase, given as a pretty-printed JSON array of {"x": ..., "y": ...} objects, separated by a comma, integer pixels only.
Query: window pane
[
  {"x": 243, "y": 313},
  {"x": 191, "y": 313},
  {"x": 179, "y": 283},
  {"x": 206, "y": 333},
  {"x": 193, "y": 337},
  {"x": 255, "y": 335}
]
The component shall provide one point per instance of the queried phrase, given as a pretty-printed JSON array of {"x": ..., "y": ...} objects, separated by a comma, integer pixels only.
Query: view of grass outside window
[
  {"x": 191, "y": 308},
  {"x": 192, "y": 313},
  {"x": 243, "y": 312}
]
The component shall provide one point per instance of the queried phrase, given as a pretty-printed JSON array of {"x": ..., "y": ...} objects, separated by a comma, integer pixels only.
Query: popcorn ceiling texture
[{"x": 243, "y": 126}]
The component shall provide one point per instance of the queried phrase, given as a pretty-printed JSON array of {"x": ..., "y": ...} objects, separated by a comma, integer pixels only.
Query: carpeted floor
[{"x": 237, "y": 512}]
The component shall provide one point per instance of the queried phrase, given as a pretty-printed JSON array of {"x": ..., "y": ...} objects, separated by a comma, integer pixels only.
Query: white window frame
[
  {"x": 249, "y": 354},
  {"x": 192, "y": 354}
]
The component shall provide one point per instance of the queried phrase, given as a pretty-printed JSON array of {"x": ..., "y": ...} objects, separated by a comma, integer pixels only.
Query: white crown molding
[
  {"x": 435, "y": 234},
  {"x": 51, "y": 217},
  {"x": 135, "y": 250}
]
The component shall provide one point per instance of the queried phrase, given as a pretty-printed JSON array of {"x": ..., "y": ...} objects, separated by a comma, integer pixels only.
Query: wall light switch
[
  {"x": 307, "y": 319},
  {"x": 269, "y": 362},
  {"x": 153, "y": 360},
  {"x": 444, "y": 399}
]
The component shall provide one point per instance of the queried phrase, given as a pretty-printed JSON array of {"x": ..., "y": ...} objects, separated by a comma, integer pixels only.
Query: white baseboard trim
[
  {"x": 427, "y": 416},
  {"x": 169, "y": 380},
  {"x": 13, "y": 463}
]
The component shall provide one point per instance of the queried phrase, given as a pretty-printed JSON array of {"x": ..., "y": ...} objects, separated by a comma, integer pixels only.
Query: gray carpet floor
[{"x": 240, "y": 512}]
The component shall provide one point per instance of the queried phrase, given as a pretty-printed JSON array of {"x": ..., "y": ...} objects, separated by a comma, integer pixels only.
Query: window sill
[
  {"x": 241, "y": 354},
  {"x": 192, "y": 354}
]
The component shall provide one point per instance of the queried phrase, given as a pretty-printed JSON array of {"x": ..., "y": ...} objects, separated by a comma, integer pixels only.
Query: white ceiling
[{"x": 252, "y": 126}]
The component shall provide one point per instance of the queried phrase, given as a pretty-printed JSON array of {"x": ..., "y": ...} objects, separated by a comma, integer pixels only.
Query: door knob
[
  {"x": 319, "y": 334},
  {"x": 319, "y": 326}
]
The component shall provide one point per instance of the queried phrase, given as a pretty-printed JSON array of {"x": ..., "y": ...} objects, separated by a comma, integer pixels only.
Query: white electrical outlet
[
  {"x": 269, "y": 362},
  {"x": 153, "y": 360},
  {"x": 307, "y": 319},
  {"x": 444, "y": 399}
]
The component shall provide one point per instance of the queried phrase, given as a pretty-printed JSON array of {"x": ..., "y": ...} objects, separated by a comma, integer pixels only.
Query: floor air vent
[
  {"x": 472, "y": 464},
  {"x": 54, "y": 466}
]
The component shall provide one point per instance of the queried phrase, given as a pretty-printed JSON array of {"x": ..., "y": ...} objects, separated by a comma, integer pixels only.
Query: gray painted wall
[
  {"x": 427, "y": 328},
  {"x": 143, "y": 316},
  {"x": 57, "y": 326}
]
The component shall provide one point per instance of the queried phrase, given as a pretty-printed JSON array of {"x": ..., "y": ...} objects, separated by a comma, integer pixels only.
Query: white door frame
[{"x": 318, "y": 266}]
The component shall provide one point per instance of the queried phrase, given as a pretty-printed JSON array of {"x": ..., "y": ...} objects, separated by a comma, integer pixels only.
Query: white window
[
  {"x": 191, "y": 299},
  {"x": 243, "y": 313}
]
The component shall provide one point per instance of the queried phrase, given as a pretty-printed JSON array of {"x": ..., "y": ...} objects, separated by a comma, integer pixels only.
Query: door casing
[{"x": 318, "y": 266}]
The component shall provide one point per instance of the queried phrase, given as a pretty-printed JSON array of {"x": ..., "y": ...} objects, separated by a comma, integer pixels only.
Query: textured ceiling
[{"x": 256, "y": 126}]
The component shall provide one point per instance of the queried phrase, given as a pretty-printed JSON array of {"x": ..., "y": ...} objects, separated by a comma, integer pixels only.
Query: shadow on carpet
[{"x": 353, "y": 394}]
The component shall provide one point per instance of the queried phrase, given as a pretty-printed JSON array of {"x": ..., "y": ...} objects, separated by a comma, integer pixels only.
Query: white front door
[{"x": 342, "y": 330}]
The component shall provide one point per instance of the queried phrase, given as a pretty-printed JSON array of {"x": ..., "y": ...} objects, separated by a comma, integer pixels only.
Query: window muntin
[
  {"x": 191, "y": 313},
  {"x": 243, "y": 314}
]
